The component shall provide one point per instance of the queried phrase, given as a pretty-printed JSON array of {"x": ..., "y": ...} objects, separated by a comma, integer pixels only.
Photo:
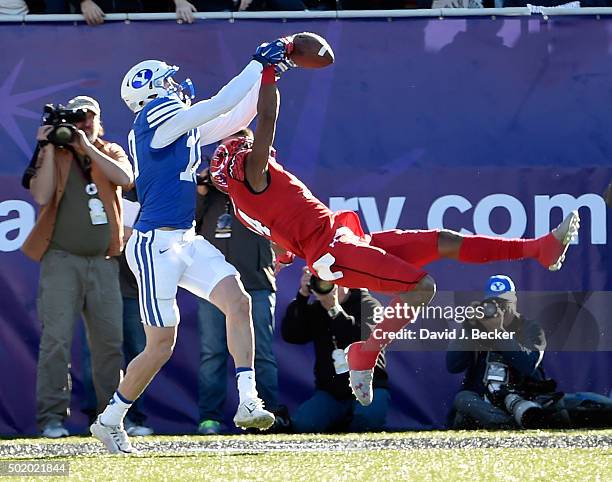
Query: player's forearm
[
  {"x": 233, "y": 121},
  {"x": 268, "y": 103},
  {"x": 207, "y": 110},
  {"x": 267, "y": 113}
]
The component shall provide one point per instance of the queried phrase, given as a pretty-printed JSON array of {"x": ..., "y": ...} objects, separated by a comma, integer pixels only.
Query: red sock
[
  {"x": 364, "y": 355},
  {"x": 482, "y": 249}
]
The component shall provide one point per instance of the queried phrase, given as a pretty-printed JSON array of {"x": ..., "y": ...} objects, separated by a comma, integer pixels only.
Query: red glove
[{"x": 283, "y": 260}]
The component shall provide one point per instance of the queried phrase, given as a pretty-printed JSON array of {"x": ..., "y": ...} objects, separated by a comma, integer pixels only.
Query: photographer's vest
[{"x": 37, "y": 243}]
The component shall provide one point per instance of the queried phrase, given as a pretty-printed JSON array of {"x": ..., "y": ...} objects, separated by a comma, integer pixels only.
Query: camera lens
[
  {"x": 489, "y": 309},
  {"x": 63, "y": 134},
  {"x": 320, "y": 286}
]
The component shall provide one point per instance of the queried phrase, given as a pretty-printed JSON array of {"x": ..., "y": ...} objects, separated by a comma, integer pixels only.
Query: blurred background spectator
[{"x": 253, "y": 258}]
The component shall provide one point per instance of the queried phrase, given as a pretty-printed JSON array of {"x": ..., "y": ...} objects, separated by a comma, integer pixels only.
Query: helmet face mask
[
  {"x": 223, "y": 161},
  {"x": 150, "y": 79},
  {"x": 185, "y": 90}
]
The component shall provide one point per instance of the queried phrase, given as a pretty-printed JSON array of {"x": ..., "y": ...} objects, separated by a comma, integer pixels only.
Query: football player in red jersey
[{"x": 275, "y": 204}]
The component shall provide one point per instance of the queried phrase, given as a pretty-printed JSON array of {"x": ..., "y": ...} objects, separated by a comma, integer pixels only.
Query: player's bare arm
[{"x": 267, "y": 111}]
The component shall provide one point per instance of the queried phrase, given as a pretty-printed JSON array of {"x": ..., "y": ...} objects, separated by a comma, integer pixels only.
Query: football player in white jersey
[{"x": 163, "y": 251}]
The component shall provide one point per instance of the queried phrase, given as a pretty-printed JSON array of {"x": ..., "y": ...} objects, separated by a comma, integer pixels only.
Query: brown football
[{"x": 311, "y": 51}]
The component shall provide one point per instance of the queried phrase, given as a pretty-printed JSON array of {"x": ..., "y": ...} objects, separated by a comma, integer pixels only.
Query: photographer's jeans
[
  {"x": 322, "y": 413},
  {"x": 213, "y": 355},
  {"x": 475, "y": 412},
  {"x": 69, "y": 286}
]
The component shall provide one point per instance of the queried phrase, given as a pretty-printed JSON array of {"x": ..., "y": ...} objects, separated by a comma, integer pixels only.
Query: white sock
[
  {"x": 246, "y": 384},
  {"x": 115, "y": 410}
]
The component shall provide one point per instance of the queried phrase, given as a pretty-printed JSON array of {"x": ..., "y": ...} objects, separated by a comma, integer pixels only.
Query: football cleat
[
  {"x": 115, "y": 438},
  {"x": 252, "y": 414},
  {"x": 555, "y": 244},
  {"x": 360, "y": 380}
]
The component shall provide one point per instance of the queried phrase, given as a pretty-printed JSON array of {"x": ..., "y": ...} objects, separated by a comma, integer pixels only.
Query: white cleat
[
  {"x": 361, "y": 385},
  {"x": 114, "y": 438},
  {"x": 359, "y": 380},
  {"x": 252, "y": 414},
  {"x": 565, "y": 233}
]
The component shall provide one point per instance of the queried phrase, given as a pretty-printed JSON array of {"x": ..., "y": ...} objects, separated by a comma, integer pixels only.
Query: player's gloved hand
[
  {"x": 276, "y": 53},
  {"x": 283, "y": 260}
]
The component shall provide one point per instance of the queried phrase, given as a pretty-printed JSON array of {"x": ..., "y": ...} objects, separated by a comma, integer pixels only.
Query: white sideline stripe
[{"x": 315, "y": 14}]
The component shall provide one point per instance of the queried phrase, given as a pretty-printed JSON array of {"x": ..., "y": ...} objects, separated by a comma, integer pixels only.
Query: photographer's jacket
[
  {"x": 309, "y": 322},
  {"x": 522, "y": 355},
  {"x": 37, "y": 243}
]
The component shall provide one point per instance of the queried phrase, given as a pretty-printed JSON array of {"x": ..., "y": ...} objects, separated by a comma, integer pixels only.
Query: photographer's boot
[{"x": 554, "y": 245}]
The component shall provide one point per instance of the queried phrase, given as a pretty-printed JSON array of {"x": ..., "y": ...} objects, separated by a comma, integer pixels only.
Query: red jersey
[{"x": 285, "y": 212}]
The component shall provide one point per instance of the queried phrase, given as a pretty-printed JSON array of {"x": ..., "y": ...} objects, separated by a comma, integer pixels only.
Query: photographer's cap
[
  {"x": 500, "y": 286},
  {"x": 84, "y": 102}
]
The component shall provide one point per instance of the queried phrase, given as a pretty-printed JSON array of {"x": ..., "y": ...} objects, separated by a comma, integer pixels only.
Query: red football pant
[{"x": 388, "y": 261}]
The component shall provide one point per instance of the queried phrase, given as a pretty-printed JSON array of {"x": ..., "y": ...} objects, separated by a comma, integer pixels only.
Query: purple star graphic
[{"x": 11, "y": 107}]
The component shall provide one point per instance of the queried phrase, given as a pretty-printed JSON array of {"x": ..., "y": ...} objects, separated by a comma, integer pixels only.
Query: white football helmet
[{"x": 145, "y": 82}]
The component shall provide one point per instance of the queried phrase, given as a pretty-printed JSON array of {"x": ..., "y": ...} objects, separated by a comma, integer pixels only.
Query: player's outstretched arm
[
  {"x": 236, "y": 119},
  {"x": 267, "y": 112},
  {"x": 205, "y": 111}
]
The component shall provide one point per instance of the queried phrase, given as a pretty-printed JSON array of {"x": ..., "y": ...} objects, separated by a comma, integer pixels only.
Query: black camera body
[
  {"x": 62, "y": 120},
  {"x": 319, "y": 286}
]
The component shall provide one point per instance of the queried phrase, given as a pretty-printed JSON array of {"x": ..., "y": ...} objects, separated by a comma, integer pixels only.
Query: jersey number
[
  {"x": 193, "y": 143},
  {"x": 253, "y": 224},
  {"x": 132, "y": 149}
]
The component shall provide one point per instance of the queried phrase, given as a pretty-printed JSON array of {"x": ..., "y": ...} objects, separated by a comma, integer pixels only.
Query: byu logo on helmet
[{"x": 142, "y": 78}]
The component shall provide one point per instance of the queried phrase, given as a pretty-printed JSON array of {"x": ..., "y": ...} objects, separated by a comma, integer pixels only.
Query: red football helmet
[{"x": 225, "y": 160}]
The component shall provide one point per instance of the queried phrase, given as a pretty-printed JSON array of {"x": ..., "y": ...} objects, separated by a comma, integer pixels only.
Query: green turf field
[{"x": 533, "y": 455}]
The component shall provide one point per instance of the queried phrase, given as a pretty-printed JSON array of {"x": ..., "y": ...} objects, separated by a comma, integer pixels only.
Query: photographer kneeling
[
  {"x": 331, "y": 323},
  {"x": 503, "y": 376},
  {"x": 76, "y": 177}
]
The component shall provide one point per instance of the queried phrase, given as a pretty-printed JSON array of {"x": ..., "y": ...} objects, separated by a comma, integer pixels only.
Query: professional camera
[
  {"x": 320, "y": 286},
  {"x": 63, "y": 120},
  {"x": 490, "y": 308},
  {"x": 528, "y": 414}
]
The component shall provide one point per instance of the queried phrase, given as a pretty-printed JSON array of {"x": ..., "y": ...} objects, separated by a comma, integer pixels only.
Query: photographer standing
[
  {"x": 331, "y": 323},
  {"x": 76, "y": 179}
]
